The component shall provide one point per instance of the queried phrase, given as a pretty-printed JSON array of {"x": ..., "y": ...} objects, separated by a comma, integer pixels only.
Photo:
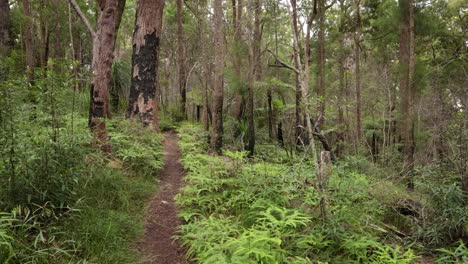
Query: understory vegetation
[
  {"x": 61, "y": 199},
  {"x": 268, "y": 210},
  {"x": 311, "y": 131}
]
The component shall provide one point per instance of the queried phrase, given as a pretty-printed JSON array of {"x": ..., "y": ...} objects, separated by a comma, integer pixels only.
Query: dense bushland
[
  {"x": 267, "y": 210},
  {"x": 61, "y": 199}
]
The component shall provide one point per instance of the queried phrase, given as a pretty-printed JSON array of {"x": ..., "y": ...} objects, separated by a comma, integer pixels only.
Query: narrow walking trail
[{"x": 158, "y": 245}]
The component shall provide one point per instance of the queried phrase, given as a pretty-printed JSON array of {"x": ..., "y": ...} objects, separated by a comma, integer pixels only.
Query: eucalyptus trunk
[{"x": 143, "y": 104}]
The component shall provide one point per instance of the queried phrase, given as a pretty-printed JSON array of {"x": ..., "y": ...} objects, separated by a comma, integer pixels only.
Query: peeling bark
[
  {"x": 143, "y": 103},
  {"x": 103, "y": 56}
]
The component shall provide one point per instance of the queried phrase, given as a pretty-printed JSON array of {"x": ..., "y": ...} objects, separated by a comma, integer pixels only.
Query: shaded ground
[{"x": 158, "y": 244}]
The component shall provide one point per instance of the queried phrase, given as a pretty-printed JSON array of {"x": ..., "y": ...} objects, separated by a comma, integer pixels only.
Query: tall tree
[
  {"x": 237, "y": 11},
  {"x": 357, "y": 69},
  {"x": 218, "y": 94},
  {"x": 28, "y": 39},
  {"x": 205, "y": 64},
  {"x": 321, "y": 57},
  {"x": 5, "y": 28},
  {"x": 181, "y": 57},
  {"x": 103, "y": 54},
  {"x": 146, "y": 40},
  {"x": 44, "y": 34},
  {"x": 297, "y": 64},
  {"x": 254, "y": 69},
  {"x": 407, "y": 85}
]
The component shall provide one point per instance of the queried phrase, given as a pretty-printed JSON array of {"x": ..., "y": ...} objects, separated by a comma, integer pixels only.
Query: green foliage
[
  {"x": 61, "y": 200},
  {"x": 456, "y": 255},
  {"x": 140, "y": 148},
  {"x": 240, "y": 212}
]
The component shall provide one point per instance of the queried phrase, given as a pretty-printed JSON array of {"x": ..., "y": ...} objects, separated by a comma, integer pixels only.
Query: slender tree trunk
[
  {"x": 341, "y": 94},
  {"x": 28, "y": 39},
  {"x": 357, "y": 54},
  {"x": 218, "y": 94},
  {"x": 206, "y": 73},
  {"x": 5, "y": 28},
  {"x": 181, "y": 57},
  {"x": 321, "y": 59},
  {"x": 297, "y": 63},
  {"x": 44, "y": 35},
  {"x": 237, "y": 21},
  {"x": 143, "y": 103},
  {"x": 254, "y": 72},
  {"x": 407, "y": 62}
]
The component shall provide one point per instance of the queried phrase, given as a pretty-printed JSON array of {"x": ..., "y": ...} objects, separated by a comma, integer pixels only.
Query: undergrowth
[
  {"x": 61, "y": 199},
  {"x": 240, "y": 211}
]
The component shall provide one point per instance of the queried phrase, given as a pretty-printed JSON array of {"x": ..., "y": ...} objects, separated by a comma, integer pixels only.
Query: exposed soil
[{"x": 158, "y": 244}]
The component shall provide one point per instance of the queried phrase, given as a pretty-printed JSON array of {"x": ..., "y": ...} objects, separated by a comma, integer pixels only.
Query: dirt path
[{"x": 158, "y": 245}]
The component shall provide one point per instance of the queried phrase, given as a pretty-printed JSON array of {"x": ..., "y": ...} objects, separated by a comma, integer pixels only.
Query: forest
[{"x": 241, "y": 131}]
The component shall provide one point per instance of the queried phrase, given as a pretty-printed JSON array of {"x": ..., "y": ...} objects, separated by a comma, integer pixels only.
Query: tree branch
[
  {"x": 83, "y": 17},
  {"x": 282, "y": 63}
]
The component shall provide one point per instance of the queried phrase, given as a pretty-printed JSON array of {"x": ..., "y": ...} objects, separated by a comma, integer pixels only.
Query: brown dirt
[{"x": 158, "y": 244}]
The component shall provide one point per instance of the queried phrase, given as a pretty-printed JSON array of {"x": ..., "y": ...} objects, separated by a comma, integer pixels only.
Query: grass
[{"x": 90, "y": 208}]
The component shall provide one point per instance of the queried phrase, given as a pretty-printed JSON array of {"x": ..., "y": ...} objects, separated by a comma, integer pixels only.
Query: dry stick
[{"x": 324, "y": 174}]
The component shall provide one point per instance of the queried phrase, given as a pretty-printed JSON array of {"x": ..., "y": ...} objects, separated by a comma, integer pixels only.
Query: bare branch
[
  {"x": 282, "y": 63},
  {"x": 83, "y": 17}
]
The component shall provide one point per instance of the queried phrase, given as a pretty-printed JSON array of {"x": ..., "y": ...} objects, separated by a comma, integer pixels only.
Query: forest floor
[{"x": 158, "y": 243}]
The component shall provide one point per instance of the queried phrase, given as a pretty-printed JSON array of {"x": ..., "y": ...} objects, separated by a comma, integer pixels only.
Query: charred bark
[{"x": 143, "y": 103}]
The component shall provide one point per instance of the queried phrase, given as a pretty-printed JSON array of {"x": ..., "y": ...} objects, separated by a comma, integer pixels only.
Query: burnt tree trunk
[
  {"x": 102, "y": 68},
  {"x": 143, "y": 103},
  {"x": 181, "y": 57},
  {"x": 103, "y": 55},
  {"x": 218, "y": 94}
]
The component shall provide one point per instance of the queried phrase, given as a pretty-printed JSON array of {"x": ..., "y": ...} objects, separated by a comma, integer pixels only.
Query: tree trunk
[
  {"x": 102, "y": 67},
  {"x": 239, "y": 104},
  {"x": 218, "y": 95},
  {"x": 254, "y": 72},
  {"x": 28, "y": 39},
  {"x": 181, "y": 57},
  {"x": 44, "y": 35},
  {"x": 5, "y": 28},
  {"x": 357, "y": 54},
  {"x": 321, "y": 60},
  {"x": 407, "y": 62},
  {"x": 297, "y": 63},
  {"x": 143, "y": 103},
  {"x": 206, "y": 72}
]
